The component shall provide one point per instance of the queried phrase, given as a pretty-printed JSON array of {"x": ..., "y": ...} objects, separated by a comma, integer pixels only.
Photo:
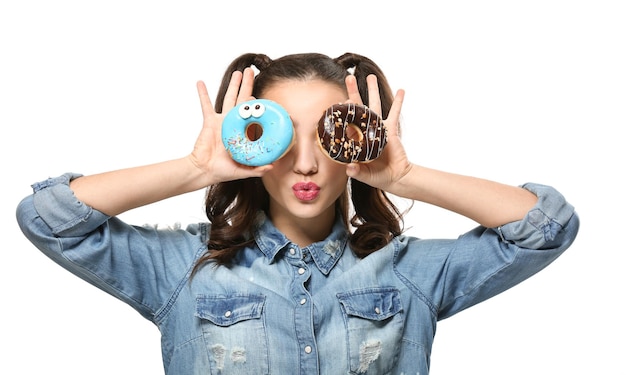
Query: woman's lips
[{"x": 306, "y": 191}]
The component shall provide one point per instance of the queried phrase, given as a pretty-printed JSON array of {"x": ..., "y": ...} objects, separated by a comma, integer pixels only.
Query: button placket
[{"x": 303, "y": 310}]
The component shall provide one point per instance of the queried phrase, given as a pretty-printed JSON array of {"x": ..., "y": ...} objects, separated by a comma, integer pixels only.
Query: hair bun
[
  {"x": 349, "y": 60},
  {"x": 261, "y": 61}
]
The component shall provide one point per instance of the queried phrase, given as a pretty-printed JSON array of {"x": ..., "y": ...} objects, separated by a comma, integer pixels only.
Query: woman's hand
[
  {"x": 393, "y": 164},
  {"x": 118, "y": 191},
  {"x": 209, "y": 154},
  {"x": 487, "y": 202}
]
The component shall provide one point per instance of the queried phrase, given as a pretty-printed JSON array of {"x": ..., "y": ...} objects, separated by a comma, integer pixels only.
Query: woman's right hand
[
  {"x": 120, "y": 190},
  {"x": 209, "y": 154}
]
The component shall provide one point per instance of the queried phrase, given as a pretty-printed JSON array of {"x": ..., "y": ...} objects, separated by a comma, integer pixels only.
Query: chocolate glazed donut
[{"x": 351, "y": 133}]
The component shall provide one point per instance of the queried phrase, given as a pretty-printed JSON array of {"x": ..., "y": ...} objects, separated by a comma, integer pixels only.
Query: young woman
[{"x": 303, "y": 266}]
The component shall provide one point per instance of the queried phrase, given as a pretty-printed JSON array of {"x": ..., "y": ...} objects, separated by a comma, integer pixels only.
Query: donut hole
[
  {"x": 354, "y": 133},
  {"x": 254, "y": 131}
]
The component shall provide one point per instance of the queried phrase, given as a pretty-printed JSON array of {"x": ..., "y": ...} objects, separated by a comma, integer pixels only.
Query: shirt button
[
  {"x": 292, "y": 251},
  {"x": 228, "y": 314},
  {"x": 303, "y": 301},
  {"x": 377, "y": 310},
  {"x": 301, "y": 270},
  {"x": 308, "y": 349}
]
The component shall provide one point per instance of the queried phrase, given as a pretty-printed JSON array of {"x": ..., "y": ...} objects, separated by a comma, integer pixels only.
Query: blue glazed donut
[{"x": 243, "y": 124}]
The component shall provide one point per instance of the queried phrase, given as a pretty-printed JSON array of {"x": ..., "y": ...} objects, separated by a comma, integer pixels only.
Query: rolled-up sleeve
[
  {"x": 59, "y": 208},
  {"x": 543, "y": 224}
]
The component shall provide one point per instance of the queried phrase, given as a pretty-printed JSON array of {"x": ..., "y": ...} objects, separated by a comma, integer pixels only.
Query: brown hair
[{"x": 232, "y": 206}]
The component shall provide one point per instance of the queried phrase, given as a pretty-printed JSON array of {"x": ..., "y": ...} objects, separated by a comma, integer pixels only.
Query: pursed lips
[{"x": 306, "y": 191}]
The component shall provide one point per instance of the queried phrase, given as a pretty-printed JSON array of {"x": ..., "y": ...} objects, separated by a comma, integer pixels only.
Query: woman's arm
[
  {"x": 117, "y": 191},
  {"x": 489, "y": 203}
]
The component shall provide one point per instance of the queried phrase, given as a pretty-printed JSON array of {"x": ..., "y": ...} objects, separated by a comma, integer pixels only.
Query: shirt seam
[
  {"x": 412, "y": 287},
  {"x": 161, "y": 313},
  {"x": 94, "y": 276},
  {"x": 486, "y": 278}
]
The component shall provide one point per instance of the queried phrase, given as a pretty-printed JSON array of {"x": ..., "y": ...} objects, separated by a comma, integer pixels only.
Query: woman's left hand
[{"x": 393, "y": 164}]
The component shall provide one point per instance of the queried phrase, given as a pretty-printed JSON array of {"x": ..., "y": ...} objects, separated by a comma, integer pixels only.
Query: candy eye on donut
[
  {"x": 245, "y": 111},
  {"x": 258, "y": 109}
]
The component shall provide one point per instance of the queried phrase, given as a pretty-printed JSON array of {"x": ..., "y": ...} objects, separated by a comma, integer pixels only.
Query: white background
[{"x": 511, "y": 91}]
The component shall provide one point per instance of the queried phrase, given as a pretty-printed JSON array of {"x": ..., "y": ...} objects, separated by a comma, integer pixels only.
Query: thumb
[{"x": 352, "y": 170}]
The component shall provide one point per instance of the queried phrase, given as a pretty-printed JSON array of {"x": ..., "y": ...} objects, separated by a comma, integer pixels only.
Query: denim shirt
[{"x": 282, "y": 309}]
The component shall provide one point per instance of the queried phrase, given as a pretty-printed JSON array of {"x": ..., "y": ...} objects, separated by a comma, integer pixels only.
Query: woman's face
[{"x": 305, "y": 183}]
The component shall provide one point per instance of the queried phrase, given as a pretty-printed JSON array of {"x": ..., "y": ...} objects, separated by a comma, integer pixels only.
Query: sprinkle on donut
[{"x": 350, "y": 133}]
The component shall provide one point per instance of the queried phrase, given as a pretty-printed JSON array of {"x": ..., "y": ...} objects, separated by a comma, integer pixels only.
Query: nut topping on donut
[{"x": 351, "y": 133}]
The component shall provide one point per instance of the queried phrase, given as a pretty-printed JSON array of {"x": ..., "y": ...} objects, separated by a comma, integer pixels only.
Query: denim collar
[{"x": 325, "y": 253}]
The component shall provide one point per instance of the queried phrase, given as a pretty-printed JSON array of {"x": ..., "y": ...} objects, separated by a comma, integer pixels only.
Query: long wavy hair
[{"x": 232, "y": 206}]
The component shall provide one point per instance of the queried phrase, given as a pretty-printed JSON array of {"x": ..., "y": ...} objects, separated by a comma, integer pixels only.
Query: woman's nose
[{"x": 305, "y": 156}]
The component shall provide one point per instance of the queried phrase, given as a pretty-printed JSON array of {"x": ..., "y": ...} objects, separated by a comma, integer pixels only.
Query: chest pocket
[
  {"x": 234, "y": 331},
  {"x": 374, "y": 324}
]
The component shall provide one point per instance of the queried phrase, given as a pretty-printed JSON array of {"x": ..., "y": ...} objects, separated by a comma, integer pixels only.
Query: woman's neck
[{"x": 304, "y": 231}]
